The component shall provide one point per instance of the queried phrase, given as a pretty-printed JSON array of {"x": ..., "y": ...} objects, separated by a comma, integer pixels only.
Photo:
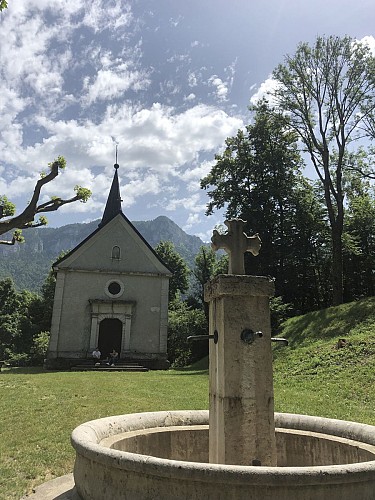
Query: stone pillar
[{"x": 242, "y": 429}]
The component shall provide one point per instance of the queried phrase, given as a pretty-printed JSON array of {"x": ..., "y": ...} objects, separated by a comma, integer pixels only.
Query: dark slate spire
[{"x": 113, "y": 205}]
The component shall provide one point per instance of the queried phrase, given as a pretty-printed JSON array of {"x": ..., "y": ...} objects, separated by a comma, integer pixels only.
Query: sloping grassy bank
[{"x": 318, "y": 374}]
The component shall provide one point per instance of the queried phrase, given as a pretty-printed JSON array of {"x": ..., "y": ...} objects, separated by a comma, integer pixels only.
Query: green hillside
[
  {"x": 315, "y": 376},
  {"x": 312, "y": 376}
]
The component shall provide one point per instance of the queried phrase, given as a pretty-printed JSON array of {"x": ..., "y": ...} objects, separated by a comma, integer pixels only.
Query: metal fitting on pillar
[
  {"x": 214, "y": 337},
  {"x": 249, "y": 336}
]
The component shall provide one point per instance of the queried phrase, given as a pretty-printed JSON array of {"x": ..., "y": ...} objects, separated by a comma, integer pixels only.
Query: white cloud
[
  {"x": 101, "y": 15},
  {"x": 192, "y": 176},
  {"x": 190, "y": 97},
  {"x": 109, "y": 84},
  {"x": 370, "y": 42},
  {"x": 192, "y": 221},
  {"x": 192, "y": 203},
  {"x": 265, "y": 90},
  {"x": 192, "y": 79},
  {"x": 155, "y": 143},
  {"x": 221, "y": 88}
]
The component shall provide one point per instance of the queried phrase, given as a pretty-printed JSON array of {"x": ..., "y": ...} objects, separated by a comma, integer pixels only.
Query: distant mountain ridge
[{"x": 28, "y": 263}]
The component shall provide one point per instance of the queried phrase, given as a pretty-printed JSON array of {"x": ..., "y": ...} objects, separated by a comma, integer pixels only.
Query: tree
[
  {"x": 182, "y": 322},
  {"x": 359, "y": 240},
  {"x": 179, "y": 281},
  {"x": 258, "y": 178},
  {"x": 3, "y": 5},
  {"x": 15, "y": 324},
  {"x": 207, "y": 265},
  {"x": 254, "y": 179},
  {"x": 26, "y": 218},
  {"x": 327, "y": 90},
  {"x": 203, "y": 271}
]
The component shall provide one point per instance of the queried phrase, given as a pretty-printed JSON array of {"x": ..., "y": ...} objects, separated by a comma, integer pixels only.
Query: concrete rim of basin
[{"x": 86, "y": 440}]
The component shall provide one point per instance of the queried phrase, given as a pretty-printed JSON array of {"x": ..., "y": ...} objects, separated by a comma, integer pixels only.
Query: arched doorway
[{"x": 110, "y": 333}]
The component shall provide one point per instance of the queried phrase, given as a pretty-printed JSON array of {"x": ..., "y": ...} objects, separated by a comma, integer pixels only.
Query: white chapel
[{"x": 112, "y": 293}]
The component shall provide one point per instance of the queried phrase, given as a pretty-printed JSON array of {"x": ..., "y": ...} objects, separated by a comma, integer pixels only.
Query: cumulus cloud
[
  {"x": 70, "y": 77},
  {"x": 192, "y": 176},
  {"x": 192, "y": 203},
  {"x": 221, "y": 88},
  {"x": 109, "y": 84},
  {"x": 265, "y": 89},
  {"x": 191, "y": 221},
  {"x": 370, "y": 42},
  {"x": 157, "y": 141}
]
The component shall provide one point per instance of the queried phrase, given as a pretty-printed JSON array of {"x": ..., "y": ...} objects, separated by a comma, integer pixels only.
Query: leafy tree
[
  {"x": 359, "y": 240},
  {"x": 327, "y": 90},
  {"x": 207, "y": 265},
  {"x": 253, "y": 179},
  {"x": 182, "y": 322},
  {"x": 203, "y": 271},
  {"x": 39, "y": 348},
  {"x": 48, "y": 295},
  {"x": 3, "y": 5},
  {"x": 26, "y": 218},
  {"x": 23, "y": 316},
  {"x": 12, "y": 316},
  {"x": 179, "y": 281}
]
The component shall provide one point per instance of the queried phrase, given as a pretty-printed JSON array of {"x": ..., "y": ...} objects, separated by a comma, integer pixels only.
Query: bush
[
  {"x": 183, "y": 322},
  {"x": 39, "y": 348},
  {"x": 280, "y": 312}
]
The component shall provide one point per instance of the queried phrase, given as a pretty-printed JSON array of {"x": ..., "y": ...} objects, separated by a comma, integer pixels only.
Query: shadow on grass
[
  {"x": 184, "y": 371},
  {"x": 328, "y": 323},
  {"x": 198, "y": 368},
  {"x": 27, "y": 370}
]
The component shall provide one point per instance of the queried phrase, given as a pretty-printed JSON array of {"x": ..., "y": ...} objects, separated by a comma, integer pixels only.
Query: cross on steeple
[{"x": 235, "y": 242}]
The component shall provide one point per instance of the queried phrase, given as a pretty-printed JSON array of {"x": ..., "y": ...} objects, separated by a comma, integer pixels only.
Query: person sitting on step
[
  {"x": 113, "y": 356},
  {"x": 96, "y": 354}
]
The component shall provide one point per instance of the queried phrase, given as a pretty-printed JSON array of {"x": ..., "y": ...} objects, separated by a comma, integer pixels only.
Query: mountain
[{"x": 29, "y": 263}]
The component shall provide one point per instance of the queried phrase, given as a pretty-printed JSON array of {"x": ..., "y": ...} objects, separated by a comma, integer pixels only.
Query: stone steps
[{"x": 121, "y": 366}]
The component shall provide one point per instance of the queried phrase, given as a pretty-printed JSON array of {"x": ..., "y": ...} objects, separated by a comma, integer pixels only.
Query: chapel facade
[{"x": 111, "y": 292}]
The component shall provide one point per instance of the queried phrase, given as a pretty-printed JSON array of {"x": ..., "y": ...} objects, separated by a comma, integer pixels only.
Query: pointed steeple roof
[{"x": 113, "y": 205}]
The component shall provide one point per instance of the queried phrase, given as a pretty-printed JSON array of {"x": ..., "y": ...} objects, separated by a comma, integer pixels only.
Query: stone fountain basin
[{"x": 164, "y": 456}]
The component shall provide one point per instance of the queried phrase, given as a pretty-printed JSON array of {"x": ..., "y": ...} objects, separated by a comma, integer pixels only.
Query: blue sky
[{"x": 166, "y": 80}]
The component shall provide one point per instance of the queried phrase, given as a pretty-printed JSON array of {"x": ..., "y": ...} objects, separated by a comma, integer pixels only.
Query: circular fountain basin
[{"x": 164, "y": 456}]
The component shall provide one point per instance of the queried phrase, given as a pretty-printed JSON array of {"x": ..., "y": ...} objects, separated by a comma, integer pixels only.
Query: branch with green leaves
[{"x": 26, "y": 218}]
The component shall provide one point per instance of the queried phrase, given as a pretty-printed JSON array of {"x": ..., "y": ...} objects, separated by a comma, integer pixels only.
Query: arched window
[{"x": 116, "y": 253}]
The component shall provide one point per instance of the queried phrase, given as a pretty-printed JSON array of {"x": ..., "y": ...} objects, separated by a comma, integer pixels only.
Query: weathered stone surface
[
  {"x": 309, "y": 443},
  {"x": 236, "y": 243},
  {"x": 241, "y": 381}
]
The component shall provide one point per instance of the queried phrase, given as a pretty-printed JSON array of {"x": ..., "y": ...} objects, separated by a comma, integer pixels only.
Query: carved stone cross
[{"x": 235, "y": 242}]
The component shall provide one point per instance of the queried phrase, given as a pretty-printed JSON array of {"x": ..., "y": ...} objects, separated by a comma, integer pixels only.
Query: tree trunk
[{"x": 337, "y": 266}]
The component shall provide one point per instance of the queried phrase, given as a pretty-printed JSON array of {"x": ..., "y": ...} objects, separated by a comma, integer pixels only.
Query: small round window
[{"x": 114, "y": 288}]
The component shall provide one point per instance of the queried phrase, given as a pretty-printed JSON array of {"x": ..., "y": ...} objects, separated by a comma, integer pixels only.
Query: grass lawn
[{"x": 40, "y": 409}]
